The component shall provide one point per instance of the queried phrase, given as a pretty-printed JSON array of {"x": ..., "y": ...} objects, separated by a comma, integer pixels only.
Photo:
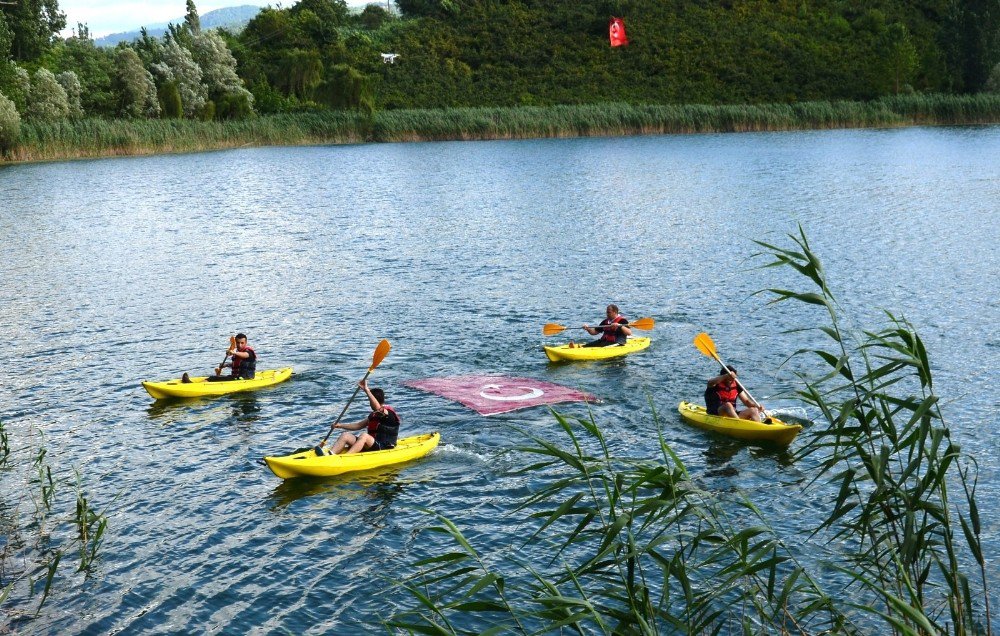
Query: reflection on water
[
  {"x": 722, "y": 450},
  {"x": 378, "y": 486},
  {"x": 245, "y": 407}
]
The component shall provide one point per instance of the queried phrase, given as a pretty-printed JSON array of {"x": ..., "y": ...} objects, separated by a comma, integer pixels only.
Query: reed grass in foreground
[
  {"x": 37, "y": 532},
  {"x": 637, "y": 547},
  {"x": 97, "y": 137}
]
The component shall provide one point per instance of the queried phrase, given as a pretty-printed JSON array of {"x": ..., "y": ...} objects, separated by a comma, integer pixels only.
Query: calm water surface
[{"x": 120, "y": 270}]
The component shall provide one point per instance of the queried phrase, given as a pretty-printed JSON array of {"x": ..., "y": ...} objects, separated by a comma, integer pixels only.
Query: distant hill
[{"x": 231, "y": 18}]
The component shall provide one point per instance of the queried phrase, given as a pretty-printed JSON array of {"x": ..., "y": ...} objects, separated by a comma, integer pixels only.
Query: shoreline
[{"x": 97, "y": 138}]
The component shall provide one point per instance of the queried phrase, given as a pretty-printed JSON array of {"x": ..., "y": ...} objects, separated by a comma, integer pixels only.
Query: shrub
[
  {"x": 134, "y": 86},
  {"x": 218, "y": 67},
  {"x": 170, "y": 100},
  {"x": 15, "y": 84},
  {"x": 47, "y": 100},
  {"x": 10, "y": 124},
  {"x": 71, "y": 84},
  {"x": 993, "y": 83}
]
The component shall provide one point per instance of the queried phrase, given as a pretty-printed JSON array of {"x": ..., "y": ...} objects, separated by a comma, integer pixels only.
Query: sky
[{"x": 104, "y": 17}]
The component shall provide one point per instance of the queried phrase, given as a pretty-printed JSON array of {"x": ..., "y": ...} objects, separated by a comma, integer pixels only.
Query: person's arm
[
  {"x": 357, "y": 426},
  {"x": 240, "y": 354},
  {"x": 372, "y": 400},
  {"x": 714, "y": 382},
  {"x": 623, "y": 327},
  {"x": 749, "y": 401},
  {"x": 590, "y": 330}
]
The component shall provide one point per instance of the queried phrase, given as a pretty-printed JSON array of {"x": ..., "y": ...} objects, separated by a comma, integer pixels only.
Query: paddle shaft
[
  {"x": 353, "y": 395},
  {"x": 738, "y": 383},
  {"x": 645, "y": 324},
  {"x": 232, "y": 343}
]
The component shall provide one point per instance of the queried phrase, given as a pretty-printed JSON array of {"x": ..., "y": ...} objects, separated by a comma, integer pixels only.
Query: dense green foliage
[
  {"x": 469, "y": 52},
  {"x": 10, "y": 124},
  {"x": 767, "y": 60}
]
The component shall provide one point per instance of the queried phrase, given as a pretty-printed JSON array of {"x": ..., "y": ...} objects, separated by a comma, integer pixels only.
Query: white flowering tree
[
  {"x": 179, "y": 67},
  {"x": 10, "y": 124},
  {"x": 47, "y": 100},
  {"x": 71, "y": 84},
  {"x": 133, "y": 85},
  {"x": 218, "y": 68},
  {"x": 15, "y": 84}
]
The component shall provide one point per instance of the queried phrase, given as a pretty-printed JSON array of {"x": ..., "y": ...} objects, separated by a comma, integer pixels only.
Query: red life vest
[
  {"x": 611, "y": 335},
  {"x": 375, "y": 418},
  {"x": 727, "y": 393},
  {"x": 245, "y": 368}
]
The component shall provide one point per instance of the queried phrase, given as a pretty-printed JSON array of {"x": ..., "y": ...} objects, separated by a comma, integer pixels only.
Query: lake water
[{"x": 120, "y": 270}]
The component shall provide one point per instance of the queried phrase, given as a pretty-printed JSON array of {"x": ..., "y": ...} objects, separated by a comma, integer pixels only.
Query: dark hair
[
  {"x": 613, "y": 308},
  {"x": 379, "y": 395},
  {"x": 241, "y": 336},
  {"x": 727, "y": 369}
]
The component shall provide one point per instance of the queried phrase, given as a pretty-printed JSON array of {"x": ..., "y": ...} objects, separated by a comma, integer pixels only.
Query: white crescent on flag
[
  {"x": 492, "y": 394},
  {"x": 532, "y": 393}
]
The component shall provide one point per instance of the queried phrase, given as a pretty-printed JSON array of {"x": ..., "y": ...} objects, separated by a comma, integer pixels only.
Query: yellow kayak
[
  {"x": 562, "y": 353},
  {"x": 308, "y": 464},
  {"x": 776, "y": 432},
  {"x": 200, "y": 386}
]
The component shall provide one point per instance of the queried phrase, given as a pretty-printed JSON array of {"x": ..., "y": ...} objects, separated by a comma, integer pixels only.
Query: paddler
[
  {"x": 721, "y": 395},
  {"x": 242, "y": 367},
  {"x": 382, "y": 426},
  {"x": 613, "y": 329}
]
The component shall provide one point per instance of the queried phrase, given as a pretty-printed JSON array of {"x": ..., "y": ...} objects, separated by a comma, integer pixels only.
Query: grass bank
[{"x": 97, "y": 137}]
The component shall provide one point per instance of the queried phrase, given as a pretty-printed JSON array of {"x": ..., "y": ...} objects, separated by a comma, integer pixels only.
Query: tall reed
[
  {"x": 99, "y": 137},
  {"x": 887, "y": 450},
  {"x": 638, "y": 546},
  {"x": 37, "y": 537}
]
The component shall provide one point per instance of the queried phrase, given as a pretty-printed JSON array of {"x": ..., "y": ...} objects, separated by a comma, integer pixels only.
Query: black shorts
[{"x": 378, "y": 445}]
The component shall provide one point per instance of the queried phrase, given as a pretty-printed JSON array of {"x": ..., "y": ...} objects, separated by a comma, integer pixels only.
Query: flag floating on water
[
  {"x": 492, "y": 394},
  {"x": 616, "y": 28}
]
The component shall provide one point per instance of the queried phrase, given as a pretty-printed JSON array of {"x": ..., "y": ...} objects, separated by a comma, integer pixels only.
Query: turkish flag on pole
[{"x": 616, "y": 28}]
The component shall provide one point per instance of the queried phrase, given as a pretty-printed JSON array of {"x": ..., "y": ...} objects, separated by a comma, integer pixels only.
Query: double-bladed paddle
[
  {"x": 381, "y": 351},
  {"x": 232, "y": 345},
  {"x": 703, "y": 342},
  {"x": 645, "y": 324}
]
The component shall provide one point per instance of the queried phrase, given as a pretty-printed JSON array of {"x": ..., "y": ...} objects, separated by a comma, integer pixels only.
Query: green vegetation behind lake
[
  {"x": 96, "y": 137},
  {"x": 689, "y": 66}
]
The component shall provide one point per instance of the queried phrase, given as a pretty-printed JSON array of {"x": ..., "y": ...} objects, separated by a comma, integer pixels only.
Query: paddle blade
[
  {"x": 643, "y": 323},
  {"x": 552, "y": 329},
  {"x": 381, "y": 351},
  {"x": 232, "y": 342},
  {"x": 703, "y": 342}
]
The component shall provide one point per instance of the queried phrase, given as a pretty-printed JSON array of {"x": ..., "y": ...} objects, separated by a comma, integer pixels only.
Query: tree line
[{"x": 318, "y": 55}]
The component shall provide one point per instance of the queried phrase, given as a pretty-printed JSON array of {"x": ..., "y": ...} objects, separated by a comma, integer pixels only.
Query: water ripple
[{"x": 458, "y": 253}]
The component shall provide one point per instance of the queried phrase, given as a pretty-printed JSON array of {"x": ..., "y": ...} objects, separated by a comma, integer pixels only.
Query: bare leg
[
  {"x": 345, "y": 439},
  {"x": 727, "y": 410},
  {"x": 750, "y": 413},
  {"x": 362, "y": 443}
]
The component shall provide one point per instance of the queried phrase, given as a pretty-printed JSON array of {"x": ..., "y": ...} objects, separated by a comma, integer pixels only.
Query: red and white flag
[
  {"x": 492, "y": 394},
  {"x": 616, "y": 29}
]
